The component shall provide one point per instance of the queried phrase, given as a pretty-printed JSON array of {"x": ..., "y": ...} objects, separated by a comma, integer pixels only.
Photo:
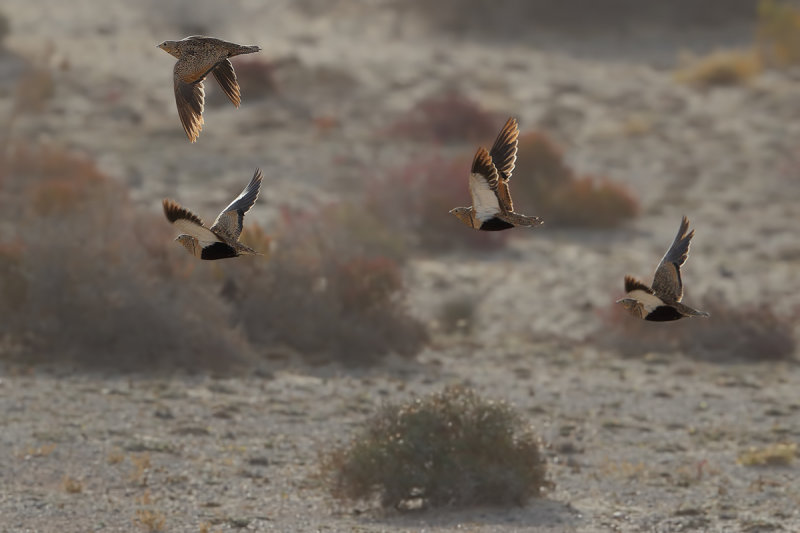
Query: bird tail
[
  {"x": 521, "y": 220},
  {"x": 688, "y": 311},
  {"x": 245, "y": 50}
]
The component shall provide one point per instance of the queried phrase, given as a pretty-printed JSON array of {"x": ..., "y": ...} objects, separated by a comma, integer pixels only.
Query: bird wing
[
  {"x": 667, "y": 283},
  {"x": 189, "y": 97},
  {"x": 633, "y": 284},
  {"x": 226, "y": 77},
  {"x": 187, "y": 222},
  {"x": 504, "y": 150},
  {"x": 483, "y": 186},
  {"x": 229, "y": 222},
  {"x": 504, "y": 157}
]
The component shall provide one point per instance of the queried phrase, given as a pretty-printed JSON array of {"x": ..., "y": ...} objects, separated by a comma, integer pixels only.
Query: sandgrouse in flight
[
  {"x": 492, "y": 209},
  {"x": 662, "y": 302},
  {"x": 197, "y": 57},
  {"x": 221, "y": 240}
]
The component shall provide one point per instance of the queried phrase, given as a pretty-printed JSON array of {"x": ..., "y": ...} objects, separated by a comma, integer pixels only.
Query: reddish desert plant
[
  {"x": 447, "y": 117},
  {"x": 546, "y": 186},
  {"x": 324, "y": 295},
  {"x": 79, "y": 270},
  {"x": 590, "y": 202}
]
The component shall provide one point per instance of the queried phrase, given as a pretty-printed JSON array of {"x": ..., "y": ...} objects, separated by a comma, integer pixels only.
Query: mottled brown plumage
[
  {"x": 662, "y": 302},
  {"x": 197, "y": 57},
  {"x": 492, "y": 208},
  {"x": 221, "y": 240}
]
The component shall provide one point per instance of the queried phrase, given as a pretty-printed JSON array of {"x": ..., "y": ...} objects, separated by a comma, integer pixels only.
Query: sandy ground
[{"x": 633, "y": 445}]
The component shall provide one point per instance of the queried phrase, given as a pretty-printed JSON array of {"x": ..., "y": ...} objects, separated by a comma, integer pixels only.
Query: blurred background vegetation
[{"x": 88, "y": 265}]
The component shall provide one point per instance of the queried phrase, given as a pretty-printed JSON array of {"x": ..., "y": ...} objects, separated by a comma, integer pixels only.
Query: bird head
[
  {"x": 633, "y": 306},
  {"x": 191, "y": 244},
  {"x": 170, "y": 47},
  {"x": 464, "y": 214}
]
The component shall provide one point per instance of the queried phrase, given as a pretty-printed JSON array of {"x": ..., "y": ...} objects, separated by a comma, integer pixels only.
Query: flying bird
[
  {"x": 197, "y": 57},
  {"x": 221, "y": 240},
  {"x": 662, "y": 301},
  {"x": 492, "y": 208}
]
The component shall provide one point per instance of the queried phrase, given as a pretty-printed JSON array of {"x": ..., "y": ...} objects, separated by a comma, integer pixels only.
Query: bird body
[
  {"x": 492, "y": 208},
  {"x": 221, "y": 240},
  {"x": 662, "y": 301},
  {"x": 197, "y": 57}
]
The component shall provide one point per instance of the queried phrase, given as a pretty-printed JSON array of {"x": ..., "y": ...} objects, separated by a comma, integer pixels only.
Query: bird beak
[{"x": 619, "y": 301}]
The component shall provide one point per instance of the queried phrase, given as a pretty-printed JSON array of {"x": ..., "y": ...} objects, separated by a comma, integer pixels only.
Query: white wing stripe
[
  {"x": 484, "y": 199},
  {"x": 190, "y": 228}
]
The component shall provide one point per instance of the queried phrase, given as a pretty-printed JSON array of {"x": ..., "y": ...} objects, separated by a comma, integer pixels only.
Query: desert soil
[{"x": 646, "y": 444}]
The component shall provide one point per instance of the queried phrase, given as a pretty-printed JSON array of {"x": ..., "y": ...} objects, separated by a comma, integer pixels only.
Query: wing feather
[
  {"x": 190, "y": 97},
  {"x": 504, "y": 150},
  {"x": 633, "y": 284},
  {"x": 230, "y": 221},
  {"x": 667, "y": 283},
  {"x": 226, "y": 77},
  {"x": 187, "y": 222},
  {"x": 483, "y": 186}
]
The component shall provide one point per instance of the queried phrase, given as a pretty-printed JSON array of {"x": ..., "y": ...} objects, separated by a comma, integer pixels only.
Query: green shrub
[{"x": 450, "y": 448}]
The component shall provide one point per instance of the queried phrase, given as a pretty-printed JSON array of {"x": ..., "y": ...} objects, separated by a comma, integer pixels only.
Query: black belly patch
[
  {"x": 664, "y": 313},
  {"x": 218, "y": 250},
  {"x": 495, "y": 224}
]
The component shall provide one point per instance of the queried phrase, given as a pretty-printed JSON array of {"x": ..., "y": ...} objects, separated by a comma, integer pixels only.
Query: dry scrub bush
[
  {"x": 87, "y": 279},
  {"x": 752, "y": 333},
  {"x": 450, "y": 448},
  {"x": 448, "y": 117},
  {"x": 325, "y": 296},
  {"x": 777, "y": 45},
  {"x": 543, "y": 184},
  {"x": 415, "y": 200},
  {"x": 720, "y": 68},
  {"x": 778, "y": 33},
  {"x": 780, "y": 454}
]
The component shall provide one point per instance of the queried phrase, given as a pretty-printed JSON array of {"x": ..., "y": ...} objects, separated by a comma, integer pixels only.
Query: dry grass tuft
[
  {"x": 141, "y": 468},
  {"x": 751, "y": 333},
  {"x": 778, "y": 33},
  {"x": 448, "y": 117},
  {"x": 72, "y": 485},
  {"x": 451, "y": 448},
  {"x": 780, "y": 454},
  {"x": 150, "y": 521},
  {"x": 720, "y": 68},
  {"x": 544, "y": 185}
]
